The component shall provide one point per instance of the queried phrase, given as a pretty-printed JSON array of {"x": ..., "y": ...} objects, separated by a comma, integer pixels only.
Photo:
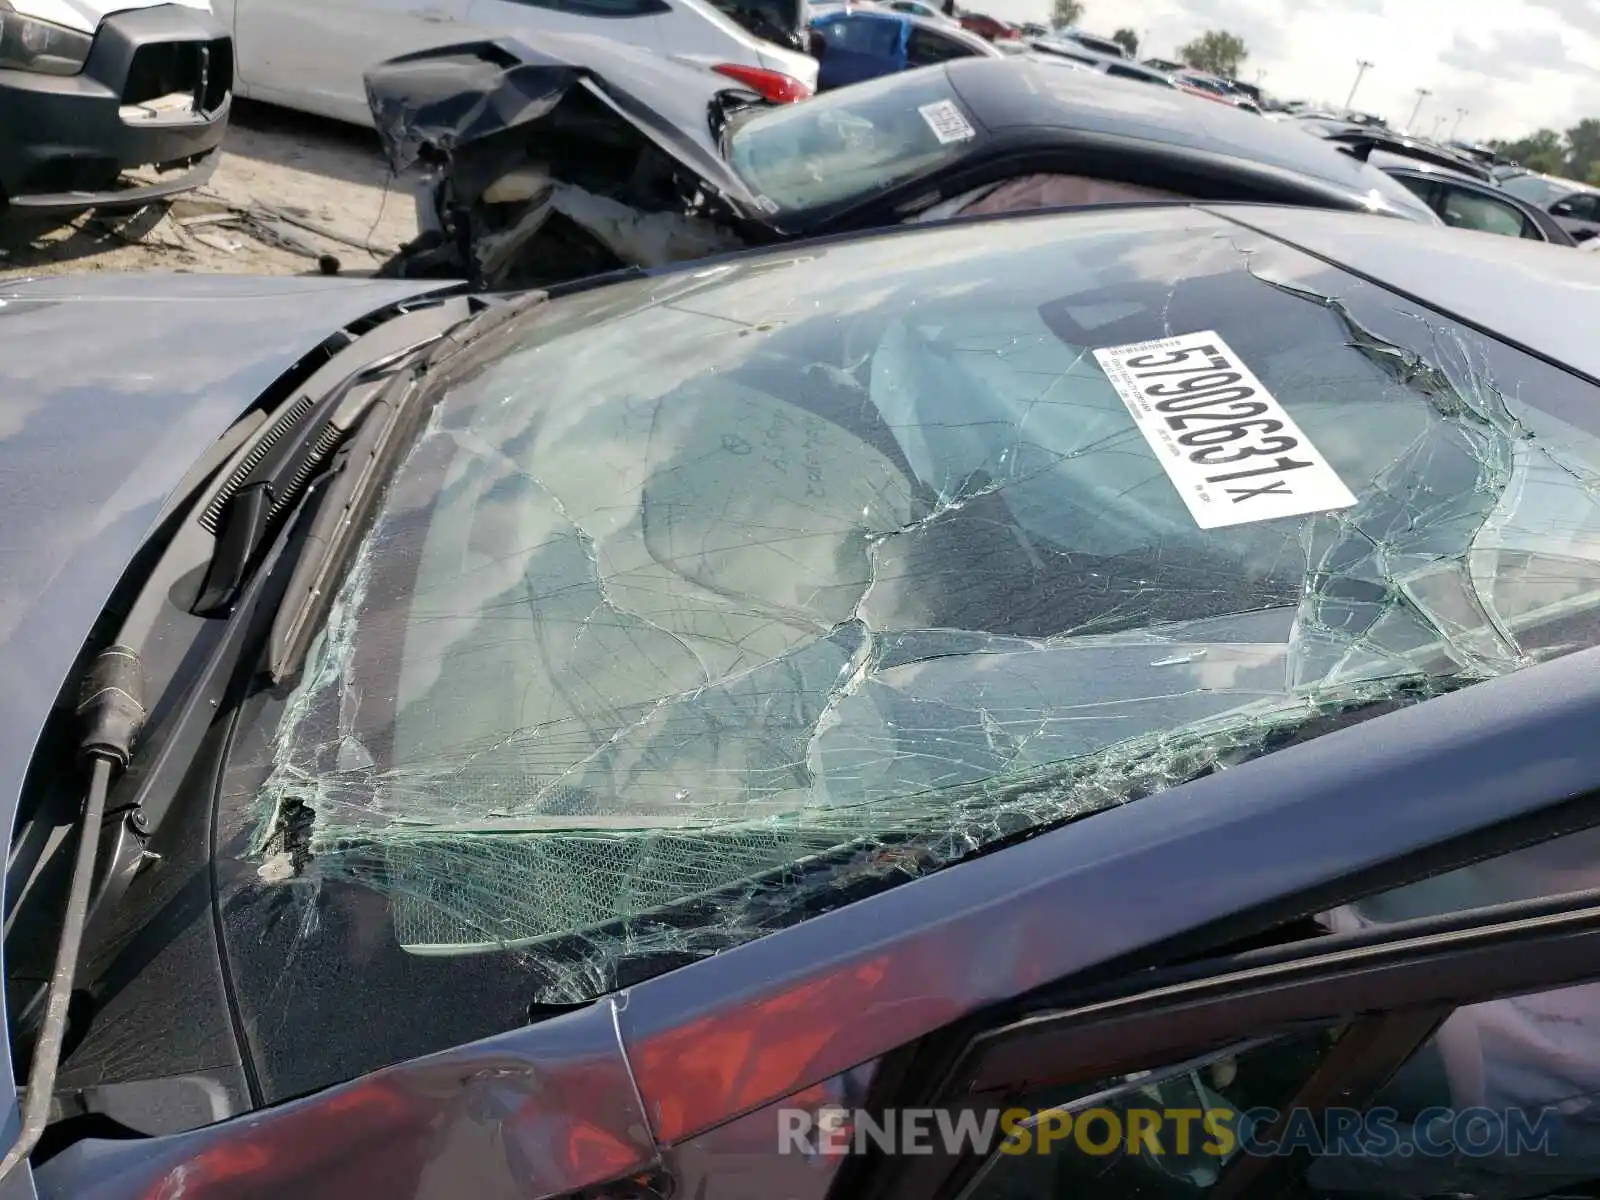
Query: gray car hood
[{"x": 110, "y": 389}]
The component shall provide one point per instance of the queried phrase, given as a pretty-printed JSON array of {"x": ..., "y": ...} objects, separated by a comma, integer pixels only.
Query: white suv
[{"x": 312, "y": 54}]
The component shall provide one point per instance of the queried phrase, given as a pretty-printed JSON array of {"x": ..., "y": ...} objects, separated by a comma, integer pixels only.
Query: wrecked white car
[{"x": 582, "y": 156}]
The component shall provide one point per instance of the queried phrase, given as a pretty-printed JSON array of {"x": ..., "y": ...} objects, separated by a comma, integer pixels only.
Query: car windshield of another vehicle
[
  {"x": 1536, "y": 189},
  {"x": 851, "y": 142},
  {"x": 708, "y": 601}
]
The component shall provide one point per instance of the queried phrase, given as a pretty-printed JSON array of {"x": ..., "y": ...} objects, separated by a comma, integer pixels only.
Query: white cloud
[{"x": 1514, "y": 66}]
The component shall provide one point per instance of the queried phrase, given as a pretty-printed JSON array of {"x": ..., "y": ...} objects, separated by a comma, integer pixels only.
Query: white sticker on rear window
[
  {"x": 1228, "y": 446},
  {"x": 946, "y": 121}
]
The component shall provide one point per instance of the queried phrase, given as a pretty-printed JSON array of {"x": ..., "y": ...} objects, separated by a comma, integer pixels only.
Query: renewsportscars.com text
[{"x": 1217, "y": 1132}]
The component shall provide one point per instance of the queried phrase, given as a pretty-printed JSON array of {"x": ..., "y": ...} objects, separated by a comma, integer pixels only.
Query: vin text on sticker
[
  {"x": 1228, "y": 446},
  {"x": 947, "y": 123}
]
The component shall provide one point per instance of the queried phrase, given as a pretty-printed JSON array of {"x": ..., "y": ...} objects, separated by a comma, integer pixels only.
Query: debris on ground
[{"x": 292, "y": 196}]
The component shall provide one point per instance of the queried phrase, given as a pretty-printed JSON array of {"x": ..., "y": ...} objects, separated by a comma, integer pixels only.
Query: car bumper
[{"x": 155, "y": 91}]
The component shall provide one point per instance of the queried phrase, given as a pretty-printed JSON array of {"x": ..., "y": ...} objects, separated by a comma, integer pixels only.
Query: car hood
[
  {"x": 110, "y": 390},
  {"x": 86, "y": 15}
]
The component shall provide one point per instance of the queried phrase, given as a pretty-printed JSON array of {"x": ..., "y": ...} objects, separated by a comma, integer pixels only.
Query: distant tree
[
  {"x": 1583, "y": 148},
  {"x": 1542, "y": 150},
  {"x": 1593, "y": 179},
  {"x": 1128, "y": 40},
  {"x": 1215, "y": 51},
  {"x": 1066, "y": 12}
]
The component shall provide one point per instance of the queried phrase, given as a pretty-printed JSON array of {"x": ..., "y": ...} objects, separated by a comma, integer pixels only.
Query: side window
[
  {"x": 1498, "y": 1098},
  {"x": 862, "y": 35},
  {"x": 1167, "y": 1132},
  {"x": 1583, "y": 207},
  {"x": 1470, "y": 210},
  {"x": 1560, "y": 866},
  {"x": 926, "y": 48},
  {"x": 1503, "y": 1100},
  {"x": 1425, "y": 190}
]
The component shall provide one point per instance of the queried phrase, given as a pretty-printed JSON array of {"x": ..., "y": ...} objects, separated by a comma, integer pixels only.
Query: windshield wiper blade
[
  {"x": 335, "y": 512},
  {"x": 261, "y": 494},
  {"x": 337, "y": 509}
]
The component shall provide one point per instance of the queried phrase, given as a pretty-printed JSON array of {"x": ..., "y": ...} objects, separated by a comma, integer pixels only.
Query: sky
[{"x": 1513, "y": 65}]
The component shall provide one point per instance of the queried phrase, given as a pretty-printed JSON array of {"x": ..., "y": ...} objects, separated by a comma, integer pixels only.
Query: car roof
[
  {"x": 1399, "y": 145},
  {"x": 1389, "y": 161},
  {"x": 1018, "y": 93},
  {"x": 1091, "y": 57}
]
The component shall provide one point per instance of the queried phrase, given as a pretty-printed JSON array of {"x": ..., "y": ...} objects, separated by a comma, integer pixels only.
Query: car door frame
[{"x": 1393, "y": 985}]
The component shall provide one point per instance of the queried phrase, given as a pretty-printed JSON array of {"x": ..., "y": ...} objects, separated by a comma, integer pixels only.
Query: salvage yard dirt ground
[{"x": 290, "y": 191}]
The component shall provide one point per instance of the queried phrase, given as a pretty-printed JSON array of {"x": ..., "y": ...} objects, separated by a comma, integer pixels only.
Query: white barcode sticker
[
  {"x": 1228, "y": 446},
  {"x": 946, "y": 121}
]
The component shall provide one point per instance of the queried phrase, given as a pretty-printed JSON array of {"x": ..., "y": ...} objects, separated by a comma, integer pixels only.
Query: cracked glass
[{"x": 707, "y": 602}]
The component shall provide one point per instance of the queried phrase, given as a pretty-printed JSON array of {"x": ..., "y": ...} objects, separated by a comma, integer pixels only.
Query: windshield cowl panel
[{"x": 718, "y": 599}]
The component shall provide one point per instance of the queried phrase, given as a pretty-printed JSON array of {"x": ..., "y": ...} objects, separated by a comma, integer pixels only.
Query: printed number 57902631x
[{"x": 1228, "y": 446}]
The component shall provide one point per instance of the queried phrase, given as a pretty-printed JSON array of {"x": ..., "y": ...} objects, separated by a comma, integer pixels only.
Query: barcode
[
  {"x": 1226, "y": 443},
  {"x": 946, "y": 121}
]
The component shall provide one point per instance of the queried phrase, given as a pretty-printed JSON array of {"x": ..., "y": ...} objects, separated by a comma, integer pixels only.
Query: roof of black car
[{"x": 1017, "y": 93}]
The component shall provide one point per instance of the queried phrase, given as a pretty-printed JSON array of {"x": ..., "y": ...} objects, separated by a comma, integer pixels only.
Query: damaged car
[
  {"x": 640, "y": 739},
  {"x": 109, "y": 104},
  {"x": 544, "y": 165}
]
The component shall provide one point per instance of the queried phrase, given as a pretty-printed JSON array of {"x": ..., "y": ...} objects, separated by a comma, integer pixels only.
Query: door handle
[{"x": 434, "y": 16}]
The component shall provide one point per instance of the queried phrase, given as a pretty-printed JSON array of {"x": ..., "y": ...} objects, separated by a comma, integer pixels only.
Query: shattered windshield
[
  {"x": 704, "y": 601},
  {"x": 851, "y": 142}
]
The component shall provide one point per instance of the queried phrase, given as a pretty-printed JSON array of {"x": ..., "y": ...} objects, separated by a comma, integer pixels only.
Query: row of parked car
[
  {"x": 904, "y": 129},
  {"x": 152, "y": 83}
]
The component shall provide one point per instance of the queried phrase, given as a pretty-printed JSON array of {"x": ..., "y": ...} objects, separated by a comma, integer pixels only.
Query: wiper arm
[{"x": 113, "y": 713}]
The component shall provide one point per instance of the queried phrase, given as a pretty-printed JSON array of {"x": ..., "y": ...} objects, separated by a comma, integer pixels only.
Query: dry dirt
[{"x": 289, "y": 191}]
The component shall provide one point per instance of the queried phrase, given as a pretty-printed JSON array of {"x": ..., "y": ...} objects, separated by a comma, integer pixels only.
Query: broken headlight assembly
[{"x": 43, "y": 47}]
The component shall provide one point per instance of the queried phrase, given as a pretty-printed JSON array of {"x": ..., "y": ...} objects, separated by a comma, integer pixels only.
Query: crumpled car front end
[{"x": 538, "y": 169}]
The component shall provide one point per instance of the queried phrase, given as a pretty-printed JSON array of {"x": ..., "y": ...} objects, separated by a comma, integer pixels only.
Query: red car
[{"x": 988, "y": 27}]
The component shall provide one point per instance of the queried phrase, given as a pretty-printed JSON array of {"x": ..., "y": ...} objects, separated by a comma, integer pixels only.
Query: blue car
[{"x": 857, "y": 44}]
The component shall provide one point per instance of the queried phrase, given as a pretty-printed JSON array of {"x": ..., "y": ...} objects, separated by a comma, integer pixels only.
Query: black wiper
[
  {"x": 336, "y": 512},
  {"x": 113, "y": 714},
  {"x": 253, "y": 502}
]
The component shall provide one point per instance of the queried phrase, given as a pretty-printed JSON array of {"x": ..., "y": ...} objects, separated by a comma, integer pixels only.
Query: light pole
[
  {"x": 1422, "y": 94},
  {"x": 1456, "y": 128},
  {"x": 1361, "y": 69}
]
